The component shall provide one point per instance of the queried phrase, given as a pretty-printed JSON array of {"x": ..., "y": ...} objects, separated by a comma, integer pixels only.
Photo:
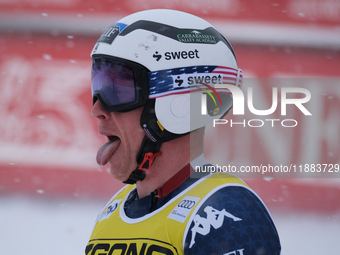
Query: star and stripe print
[{"x": 187, "y": 79}]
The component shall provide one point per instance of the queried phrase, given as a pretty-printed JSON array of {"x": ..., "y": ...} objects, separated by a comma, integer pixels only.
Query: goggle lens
[{"x": 113, "y": 83}]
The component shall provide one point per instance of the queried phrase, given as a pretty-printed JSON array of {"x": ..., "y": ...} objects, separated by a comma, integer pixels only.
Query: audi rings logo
[
  {"x": 186, "y": 204},
  {"x": 183, "y": 208}
]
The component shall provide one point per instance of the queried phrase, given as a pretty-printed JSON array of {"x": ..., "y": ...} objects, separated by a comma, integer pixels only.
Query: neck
[{"x": 176, "y": 154}]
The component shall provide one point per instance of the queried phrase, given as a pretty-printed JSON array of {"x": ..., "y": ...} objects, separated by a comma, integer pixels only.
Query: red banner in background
[
  {"x": 317, "y": 12},
  {"x": 48, "y": 139},
  {"x": 48, "y": 136},
  {"x": 45, "y": 97}
]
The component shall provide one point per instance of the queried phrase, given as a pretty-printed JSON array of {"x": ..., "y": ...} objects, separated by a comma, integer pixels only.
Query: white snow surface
[{"x": 54, "y": 226}]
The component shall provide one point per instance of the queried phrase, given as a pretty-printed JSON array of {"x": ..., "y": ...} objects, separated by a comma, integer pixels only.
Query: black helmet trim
[{"x": 185, "y": 35}]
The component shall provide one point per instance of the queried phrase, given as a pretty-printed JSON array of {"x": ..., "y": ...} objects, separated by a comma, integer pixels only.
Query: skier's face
[{"x": 124, "y": 137}]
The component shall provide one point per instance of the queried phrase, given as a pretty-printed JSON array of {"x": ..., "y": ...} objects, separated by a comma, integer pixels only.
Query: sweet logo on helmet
[
  {"x": 157, "y": 56},
  {"x": 179, "y": 81},
  {"x": 196, "y": 36},
  {"x": 173, "y": 55},
  {"x": 197, "y": 79}
]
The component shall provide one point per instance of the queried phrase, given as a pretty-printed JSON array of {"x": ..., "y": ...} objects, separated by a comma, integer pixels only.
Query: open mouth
[
  {"x": 112, "y": 138},
  {"x": 107, "y": 150}
]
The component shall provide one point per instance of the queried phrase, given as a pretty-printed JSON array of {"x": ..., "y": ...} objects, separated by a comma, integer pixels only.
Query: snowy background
[
  {"x": 63, "y": 226},
  {"x": 51, "y": 190}
]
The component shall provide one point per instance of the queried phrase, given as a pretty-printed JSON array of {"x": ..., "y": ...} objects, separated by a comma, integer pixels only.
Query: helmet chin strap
[
  {"x": 145, "y": 157},
  {"x": 155, "y": 136}
]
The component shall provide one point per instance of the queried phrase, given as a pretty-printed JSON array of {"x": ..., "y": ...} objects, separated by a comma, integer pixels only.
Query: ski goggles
[
  {"x": 119, "y": 85},
  {"x": 122, "y": 85}
]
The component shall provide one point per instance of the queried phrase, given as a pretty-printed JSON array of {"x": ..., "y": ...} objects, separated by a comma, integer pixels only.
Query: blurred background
[{"x": 51, "y": 189}]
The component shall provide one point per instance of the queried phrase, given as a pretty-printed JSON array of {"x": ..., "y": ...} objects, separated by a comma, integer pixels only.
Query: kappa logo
[
  {"x": 175, "y": 55},
  {"x": 215, "y": 219}
]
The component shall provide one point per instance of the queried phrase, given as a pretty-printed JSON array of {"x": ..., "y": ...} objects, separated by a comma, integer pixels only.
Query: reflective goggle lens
[{"x": 114, "y": 84}]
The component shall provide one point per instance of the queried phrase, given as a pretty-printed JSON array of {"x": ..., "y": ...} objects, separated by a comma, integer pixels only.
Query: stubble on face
[{"x": 125, "y": 135}]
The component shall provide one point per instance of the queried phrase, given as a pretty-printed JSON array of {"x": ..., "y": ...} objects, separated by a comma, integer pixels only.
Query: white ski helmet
[{"x": 172, "y": 57}]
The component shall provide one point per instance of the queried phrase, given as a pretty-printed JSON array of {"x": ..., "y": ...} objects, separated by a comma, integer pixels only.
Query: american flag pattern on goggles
[{"x": 188, "y": 79}]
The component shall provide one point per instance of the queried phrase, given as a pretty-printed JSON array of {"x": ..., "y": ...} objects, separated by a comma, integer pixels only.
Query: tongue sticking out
[{"x": 106, "y": 151}]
